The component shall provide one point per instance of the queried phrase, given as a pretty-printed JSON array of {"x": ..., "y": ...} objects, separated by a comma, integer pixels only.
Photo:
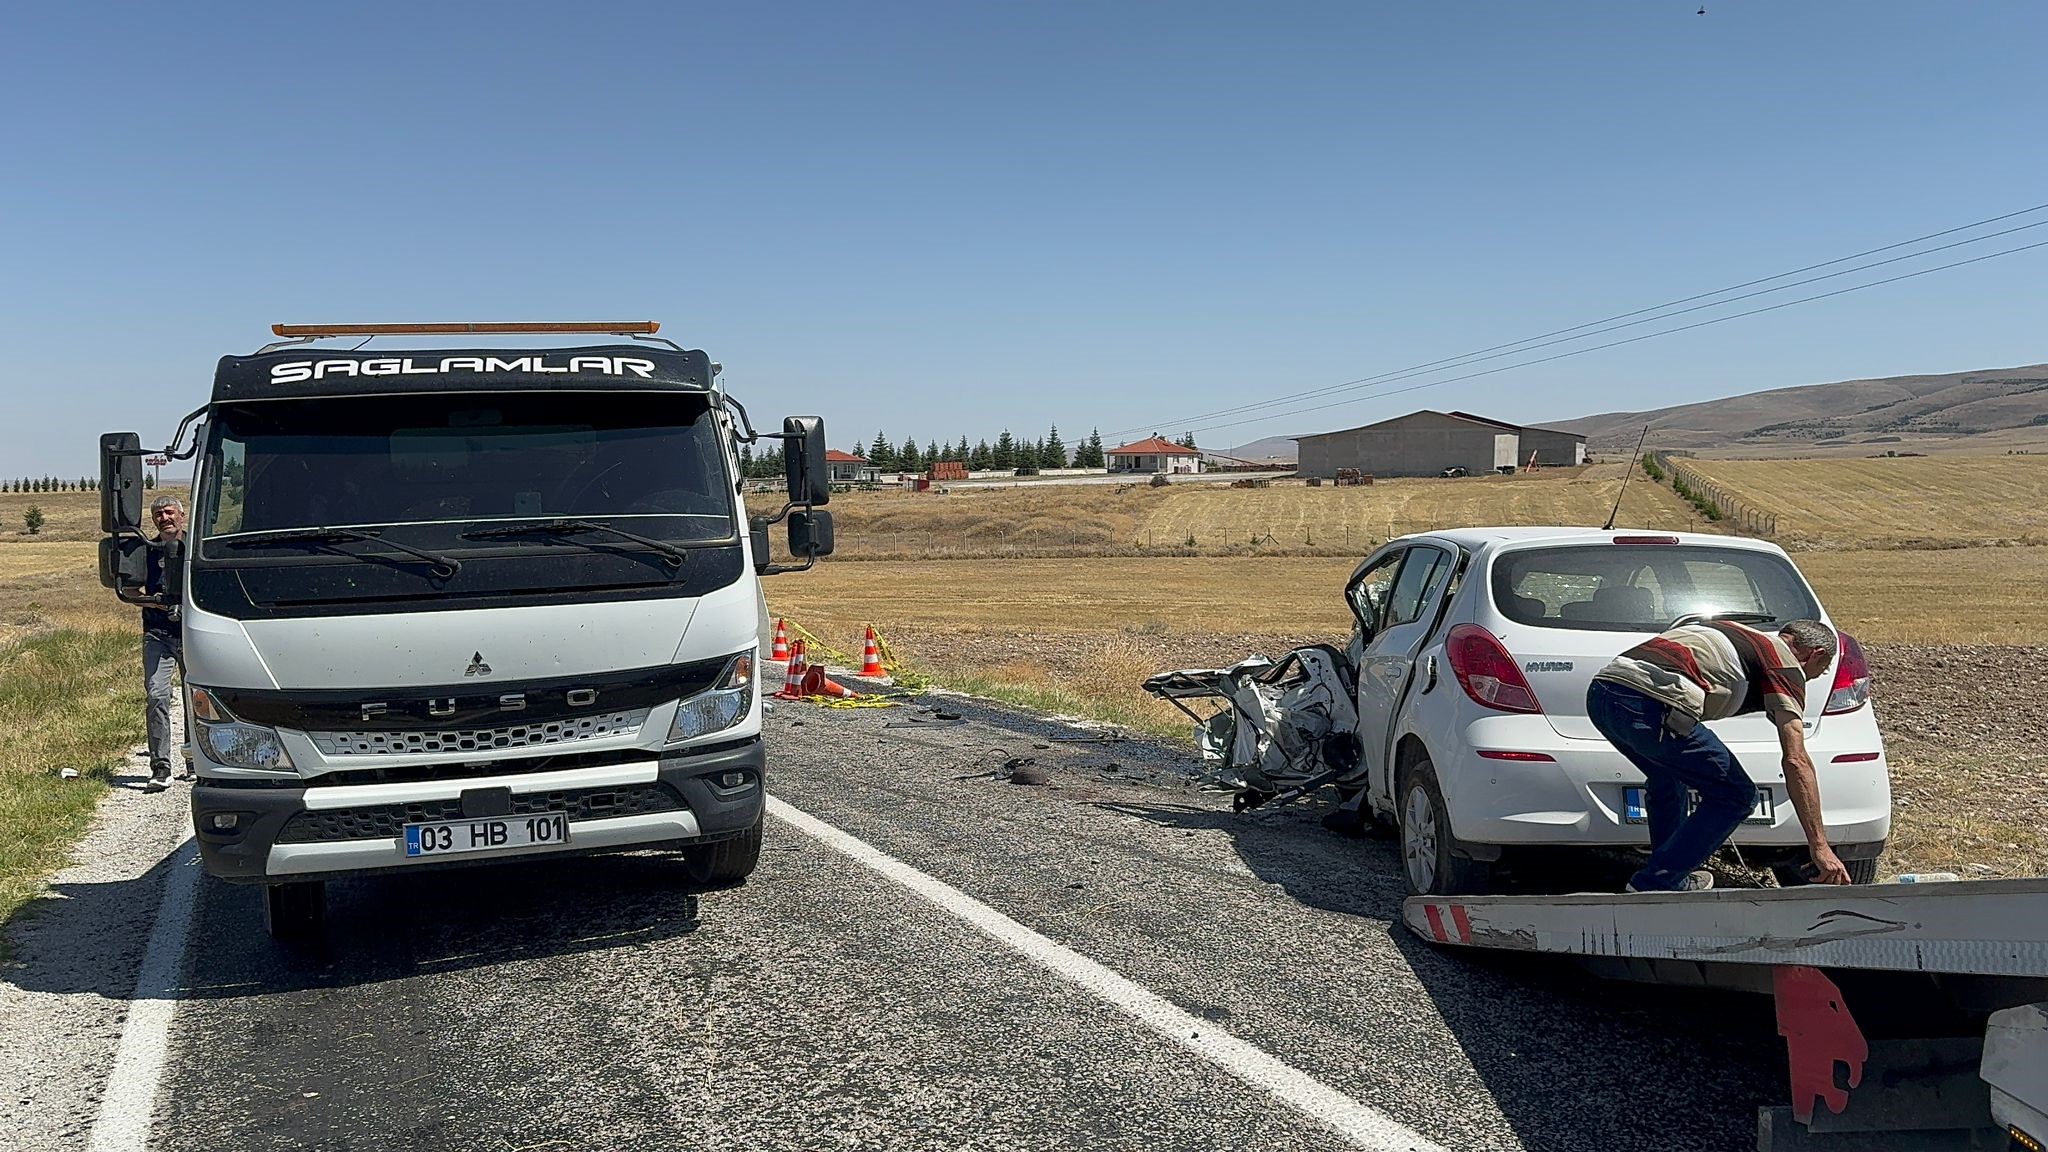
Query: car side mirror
[
  {"x": 124, "y": 563},
  {"x": 120, "y": 482},
  {"x": 810, "y": 534},
  {"x": 803, "y": 460}
]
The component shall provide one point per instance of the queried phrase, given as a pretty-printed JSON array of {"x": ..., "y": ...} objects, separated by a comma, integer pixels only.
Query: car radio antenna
[{"x": 1609, "y": 526}]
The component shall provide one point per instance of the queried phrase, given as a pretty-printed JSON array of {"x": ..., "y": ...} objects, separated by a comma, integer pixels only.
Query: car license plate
[
  {"x": 494, "y": 834},
  {"x": 1634, "y": 811}
]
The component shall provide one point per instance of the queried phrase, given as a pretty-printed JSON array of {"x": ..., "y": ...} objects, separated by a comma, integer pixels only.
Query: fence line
[{"x": 1732, "y": 508}]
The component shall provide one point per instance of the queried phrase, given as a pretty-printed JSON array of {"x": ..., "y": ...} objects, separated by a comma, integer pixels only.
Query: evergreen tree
[
  {"x": 982, "y": 458},
  {"x": 931, "y": 453},
  {"x": 1187, "y": 440},
  {"x": 1054, "y": 454},
  {"x": 1093, "y": 448},
  {"x": 909, "y": 459},
  {"x": 962, "y": 452},
  {"x": 1004, "y": 457},
  {"x": 881, "y": 455},
  {"x": 33, "y": 519}
]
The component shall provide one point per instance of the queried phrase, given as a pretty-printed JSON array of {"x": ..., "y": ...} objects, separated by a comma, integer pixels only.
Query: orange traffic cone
[
  {"x": 780, "y": 650},
  {"x": 793, "y": 676},
  {"x": 871, "y": 656},
  {"x": 823, "y": 685}
]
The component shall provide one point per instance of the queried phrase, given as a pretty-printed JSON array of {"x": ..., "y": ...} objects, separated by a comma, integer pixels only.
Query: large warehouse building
[{"x": 1426, "y": 443}]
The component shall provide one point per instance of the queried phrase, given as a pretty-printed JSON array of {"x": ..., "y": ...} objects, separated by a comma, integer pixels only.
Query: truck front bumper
[{"x": 311, "y": 831}]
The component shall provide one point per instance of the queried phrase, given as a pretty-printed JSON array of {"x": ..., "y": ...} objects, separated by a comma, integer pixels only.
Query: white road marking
[
  {"x": 1357, "y": 1122},
  {"x": 123, "y": 1121}
]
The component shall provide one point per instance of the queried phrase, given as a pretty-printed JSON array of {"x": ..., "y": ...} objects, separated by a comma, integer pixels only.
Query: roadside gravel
[{"x": 71, "y": 958}]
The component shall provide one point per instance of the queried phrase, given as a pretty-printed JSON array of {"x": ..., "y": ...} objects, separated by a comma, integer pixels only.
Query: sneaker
[
  {"x": 159, "y": 776},
  {"x": 1694, "y": 882}
]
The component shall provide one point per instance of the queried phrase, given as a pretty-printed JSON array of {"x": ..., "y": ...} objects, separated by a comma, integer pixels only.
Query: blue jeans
[
  {"x": 1679, "y": 843},
  {"x": 159, "y": 657}
]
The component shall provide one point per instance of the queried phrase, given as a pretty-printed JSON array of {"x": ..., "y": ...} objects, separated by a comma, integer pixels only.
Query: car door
[{"x": 1410, "y": 592}]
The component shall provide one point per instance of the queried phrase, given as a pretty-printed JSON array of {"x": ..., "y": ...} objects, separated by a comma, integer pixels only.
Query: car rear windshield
[{"x": 1644, "y": 588}]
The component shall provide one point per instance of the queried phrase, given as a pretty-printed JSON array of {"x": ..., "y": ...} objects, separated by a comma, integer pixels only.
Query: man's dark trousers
[{"x": 1671, "y": 764}]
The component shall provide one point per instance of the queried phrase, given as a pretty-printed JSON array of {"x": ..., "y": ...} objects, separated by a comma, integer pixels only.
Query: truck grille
[
  {"x": 433, "y": 742},
  {"x": 383, "y": 821}
]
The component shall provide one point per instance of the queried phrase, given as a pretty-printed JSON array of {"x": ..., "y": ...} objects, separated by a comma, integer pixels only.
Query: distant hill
[
  {"x": 1273, "y": 448},
  {"x": 1988, "y": 410}
]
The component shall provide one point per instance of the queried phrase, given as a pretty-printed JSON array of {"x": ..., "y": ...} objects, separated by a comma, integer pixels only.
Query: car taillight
[
  {"x": 1486, "y": 672},
  {"x": 1852, "y": 679}
]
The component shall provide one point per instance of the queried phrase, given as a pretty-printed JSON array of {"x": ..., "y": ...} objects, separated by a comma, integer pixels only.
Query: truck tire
[
  {"x": 1860, "y": 872},
  {"x": 295, "y": 913},
  {"x": 728, "y": 861},
  {"x": 1428, "y": 864}
]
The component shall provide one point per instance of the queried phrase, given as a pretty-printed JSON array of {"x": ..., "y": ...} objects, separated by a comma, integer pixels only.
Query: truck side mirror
[
  {"x": 174, "y": 570},
  {"x": 810, "y": 533},
  {"x": 803, "y": 459},
  {"x": 120, "y": 482},
  {"x": 124, "y": 562}
]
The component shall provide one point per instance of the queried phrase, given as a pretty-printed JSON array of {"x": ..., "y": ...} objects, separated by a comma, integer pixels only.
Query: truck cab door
[{"x": 1405, "y": 586}]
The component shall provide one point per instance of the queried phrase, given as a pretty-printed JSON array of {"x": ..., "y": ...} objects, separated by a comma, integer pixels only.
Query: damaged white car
[{"x": 1468, "y": 668}]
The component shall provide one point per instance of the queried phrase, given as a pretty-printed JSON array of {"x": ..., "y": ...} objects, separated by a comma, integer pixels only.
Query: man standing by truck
[
  {"x": 162, "y": 648},
  {"x": 1650, "y": 703}
]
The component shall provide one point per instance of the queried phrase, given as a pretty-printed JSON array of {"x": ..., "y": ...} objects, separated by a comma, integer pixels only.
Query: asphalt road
[{"x": 827, "y": 1005}]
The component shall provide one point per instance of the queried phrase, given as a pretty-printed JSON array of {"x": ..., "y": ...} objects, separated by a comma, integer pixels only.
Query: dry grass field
[
  {"x": 1079, "y": 636},
  {"x": 1952, "y": 596},
  {"x": 1066, "y": 597},
  {"x": 70, "y": 691},
  {"x": 1213, "y": 519},
  {"x": 1919, "y": 501}
]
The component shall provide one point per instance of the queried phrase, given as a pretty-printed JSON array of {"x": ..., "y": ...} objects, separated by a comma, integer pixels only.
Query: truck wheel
[
  {"x": 295, "y": 913},
  {"x": 728, "y": 861},
  {"x": 1860, "y": 872},
  {"x": 1428, "y": 863}
]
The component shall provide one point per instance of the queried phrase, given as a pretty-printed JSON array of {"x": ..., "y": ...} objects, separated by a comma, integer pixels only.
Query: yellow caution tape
[{"x": 909, "y": 682}]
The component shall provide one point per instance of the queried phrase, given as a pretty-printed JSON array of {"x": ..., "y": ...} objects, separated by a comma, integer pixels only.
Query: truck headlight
[
  {"x": 233, "y": 743},
  {"x": 718, "y": 707}
]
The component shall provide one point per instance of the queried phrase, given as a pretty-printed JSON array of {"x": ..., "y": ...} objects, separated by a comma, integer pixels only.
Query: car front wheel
[{"x": 1430, "y": 865}]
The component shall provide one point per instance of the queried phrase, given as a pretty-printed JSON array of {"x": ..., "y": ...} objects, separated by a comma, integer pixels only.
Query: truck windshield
[{"x": 648, "y": 461}]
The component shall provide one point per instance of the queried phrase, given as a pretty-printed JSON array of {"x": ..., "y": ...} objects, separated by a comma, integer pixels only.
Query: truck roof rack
[
  {"x": 599, "y": 327},
  {"x": 646, "y": 330}
]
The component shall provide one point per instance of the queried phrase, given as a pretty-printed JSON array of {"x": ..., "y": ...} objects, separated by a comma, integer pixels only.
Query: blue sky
[{"x": 941, "y": 219}]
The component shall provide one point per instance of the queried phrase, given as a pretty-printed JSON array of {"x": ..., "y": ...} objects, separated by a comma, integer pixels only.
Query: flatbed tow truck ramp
[{"x": 1915, "y": 1016}]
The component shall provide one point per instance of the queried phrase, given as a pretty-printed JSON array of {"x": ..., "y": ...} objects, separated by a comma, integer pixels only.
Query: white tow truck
[{"x": 466, "y": 604}]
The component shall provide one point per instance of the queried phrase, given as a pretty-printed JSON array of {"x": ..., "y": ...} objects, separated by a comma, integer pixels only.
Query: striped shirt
[{"x": 1715, "y": 670}]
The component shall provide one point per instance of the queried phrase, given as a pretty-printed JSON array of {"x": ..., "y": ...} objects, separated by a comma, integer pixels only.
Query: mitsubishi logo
[{"x": 477, "y": 667}]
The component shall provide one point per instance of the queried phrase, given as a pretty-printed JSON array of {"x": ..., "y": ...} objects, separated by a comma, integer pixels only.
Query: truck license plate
[
  {"x": 452, "y": 837},
  {"x": 1636, "y": 812}
]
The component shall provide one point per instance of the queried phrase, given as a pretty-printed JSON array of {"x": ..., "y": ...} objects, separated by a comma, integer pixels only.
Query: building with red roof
[
  {"x": 1155, "y": 454},
  {"x": 847, "y": 468}
]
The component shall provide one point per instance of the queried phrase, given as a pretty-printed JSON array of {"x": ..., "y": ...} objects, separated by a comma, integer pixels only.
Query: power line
[
  {"x": 1466, "y": 362},
  {"x": 1513, "y": 346},
  {"x": 1634, "y": 339}
]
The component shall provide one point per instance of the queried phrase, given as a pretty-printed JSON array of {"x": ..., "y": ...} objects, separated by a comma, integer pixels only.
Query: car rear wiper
[
  {"x": 670, "y": 554},
  {"x": 444, "y": 566}
]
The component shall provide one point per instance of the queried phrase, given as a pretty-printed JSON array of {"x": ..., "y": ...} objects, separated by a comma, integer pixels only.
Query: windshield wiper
[
  {"x": 670, "y": 554},
  {"x": 444, "y": 566}
]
